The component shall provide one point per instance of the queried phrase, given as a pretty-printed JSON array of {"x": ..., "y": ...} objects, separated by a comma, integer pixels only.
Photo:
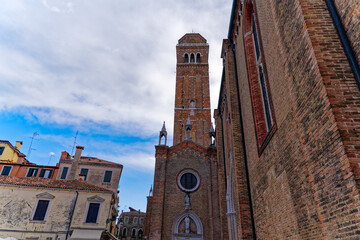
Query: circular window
[{"x": 188, "y": 180}]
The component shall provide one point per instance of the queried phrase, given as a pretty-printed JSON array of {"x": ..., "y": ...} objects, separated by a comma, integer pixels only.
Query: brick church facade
[
  {"x": 288, "y": 121},
  {"x": 286, "y": 163}
]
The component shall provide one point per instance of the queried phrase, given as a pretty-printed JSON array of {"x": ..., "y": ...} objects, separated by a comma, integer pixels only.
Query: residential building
[
  {"x": 131, "y": 225},
  {"x": 91, "y": 169},
  {"x": 184, "y": 202},
  {"x": 287, "y": 121},
  {"x": 95, "y": 171},
  {"x": 28, "y": 170},
  {"x": 10, "y": 153},
  {"x": 47, "y": 209}
]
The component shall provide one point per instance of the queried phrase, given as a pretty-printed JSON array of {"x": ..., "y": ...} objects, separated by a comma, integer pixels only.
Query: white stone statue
[
  {"x": 187, "y": 224},
  {"x": 187, "y": 202}
]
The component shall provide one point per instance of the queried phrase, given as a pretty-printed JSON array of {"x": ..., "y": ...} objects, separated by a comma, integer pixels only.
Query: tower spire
[{"x": 163, "y": 133}]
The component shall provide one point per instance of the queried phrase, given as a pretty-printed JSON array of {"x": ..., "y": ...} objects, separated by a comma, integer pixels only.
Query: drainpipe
[
  {"x": 71, "y": 216},
  {"x": 344, "y": 40},
  {"x": 244, "y": 147}
]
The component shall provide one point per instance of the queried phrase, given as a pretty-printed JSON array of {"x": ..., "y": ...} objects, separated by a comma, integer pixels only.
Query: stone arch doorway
[{"x": 187, "y": 226}]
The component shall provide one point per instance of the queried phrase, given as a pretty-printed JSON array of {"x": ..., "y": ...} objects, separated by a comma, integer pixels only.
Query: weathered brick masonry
[{"x": 303, "y": 179}]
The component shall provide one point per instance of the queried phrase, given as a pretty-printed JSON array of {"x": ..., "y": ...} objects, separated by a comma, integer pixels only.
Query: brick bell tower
[
  {"x": 192, "y": 95},
  {"x": 184, "y": 200}
]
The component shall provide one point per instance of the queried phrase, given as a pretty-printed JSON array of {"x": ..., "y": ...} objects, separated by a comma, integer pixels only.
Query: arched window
[
  {"x": 188, "y": 226},
  {"x": 198, "y": 58},
  {"x": 133, "y": 233},
  {"x": 192, "y": 58},
  {"x": 140, "y": 233},
  {"x": 186, "y": 58},
  {"x": 259, "y": 85},
  {"x": 124, "y": 232}
]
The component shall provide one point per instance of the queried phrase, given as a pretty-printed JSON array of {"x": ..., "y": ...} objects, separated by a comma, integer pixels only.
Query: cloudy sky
[{"x": 104, "y": 68}]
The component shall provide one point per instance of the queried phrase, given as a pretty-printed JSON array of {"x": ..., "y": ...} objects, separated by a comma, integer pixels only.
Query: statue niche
[{"x": 187, "y": 226}]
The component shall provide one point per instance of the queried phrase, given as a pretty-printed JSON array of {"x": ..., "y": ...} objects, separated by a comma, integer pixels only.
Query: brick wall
[
  {"x": 349, "y": 12},
  {"x": 302, "y": 184},
  {"x": 231, "y": 148}
]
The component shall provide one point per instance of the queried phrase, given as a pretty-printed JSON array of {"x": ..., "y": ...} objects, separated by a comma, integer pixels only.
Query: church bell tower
[
  {"x": 192, "y": 95},
  {"x": 185, "y": 198}
]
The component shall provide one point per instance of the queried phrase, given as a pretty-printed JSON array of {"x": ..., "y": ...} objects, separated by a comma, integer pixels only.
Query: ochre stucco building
[
  {"x": 10, "y": 153},
  {"x": 184, "y": 203},
  {"x": 47, "y": 209}
]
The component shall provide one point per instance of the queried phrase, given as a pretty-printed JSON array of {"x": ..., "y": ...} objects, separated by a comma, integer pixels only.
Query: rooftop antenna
[
  {"x": 51, "y": 154},
  {"x": 75, "y": 137},
  {"x": 31, "y": 142}
]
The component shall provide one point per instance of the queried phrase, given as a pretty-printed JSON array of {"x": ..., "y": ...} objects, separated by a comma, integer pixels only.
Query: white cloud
[
  {"x": 109, "y": 62},
  {"x": 137, "y": 154}
]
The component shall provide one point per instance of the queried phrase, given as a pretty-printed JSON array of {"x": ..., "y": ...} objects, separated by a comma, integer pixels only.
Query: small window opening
[
  {"x": 198, "y": 58},
  {"x": 162, "y": 140},
  {"x": 84, "y": 172},
  {"x": 140, "y": 234},
  {"x": 6, "y": 171},
  {"x": 124, "y": 232},
  {"x": 107, "y": 176},
  {"x": 2, "y": 150},
  {"x": 32, "y": 172},
  {"x": 192, "y": 58},
  {"x": 93, "y": 211},
  {"x": 64, "y": 172},
  {"x": 45, "y": 173},
  {"x": 41, "y": 210},
  {"x": 133, "y": 234},
  {"x": 186, "y": 58}
]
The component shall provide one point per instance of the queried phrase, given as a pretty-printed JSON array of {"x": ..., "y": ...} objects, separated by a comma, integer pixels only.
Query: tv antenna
[
  {"x": 31, "y": 142},
  {"x": 75, "y": 137},
  {"x": 51, "y": 154}
]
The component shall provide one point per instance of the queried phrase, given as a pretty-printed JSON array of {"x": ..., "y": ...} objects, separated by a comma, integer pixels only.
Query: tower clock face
[{"x": 188, "y": 180}]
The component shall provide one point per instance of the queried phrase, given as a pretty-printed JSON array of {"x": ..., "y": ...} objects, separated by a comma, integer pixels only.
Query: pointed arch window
[{"x": 263, "y": 111}]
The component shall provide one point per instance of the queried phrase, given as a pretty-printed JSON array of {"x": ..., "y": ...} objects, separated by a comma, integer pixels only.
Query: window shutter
[
  {"x": 41, "y": 209},
  {"x": 92, "y": 212},
  {"x": 107, "y": 176},
  {"x": 64, "y": 173}
]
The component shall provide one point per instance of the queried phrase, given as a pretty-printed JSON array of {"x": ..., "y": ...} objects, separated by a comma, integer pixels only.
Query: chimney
[
  {"x": 81, "y": 178},
  {"x": 64, "y": 155},
  {"x": 75, "y": 162},
  {"x": 21, "y": 158},
  {"x": 18, "y": 145}
]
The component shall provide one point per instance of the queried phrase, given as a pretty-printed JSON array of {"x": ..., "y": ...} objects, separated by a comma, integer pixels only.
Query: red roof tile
[
  {"x": 94, "y": 160},
  {"x": 51, "y": 183}
]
